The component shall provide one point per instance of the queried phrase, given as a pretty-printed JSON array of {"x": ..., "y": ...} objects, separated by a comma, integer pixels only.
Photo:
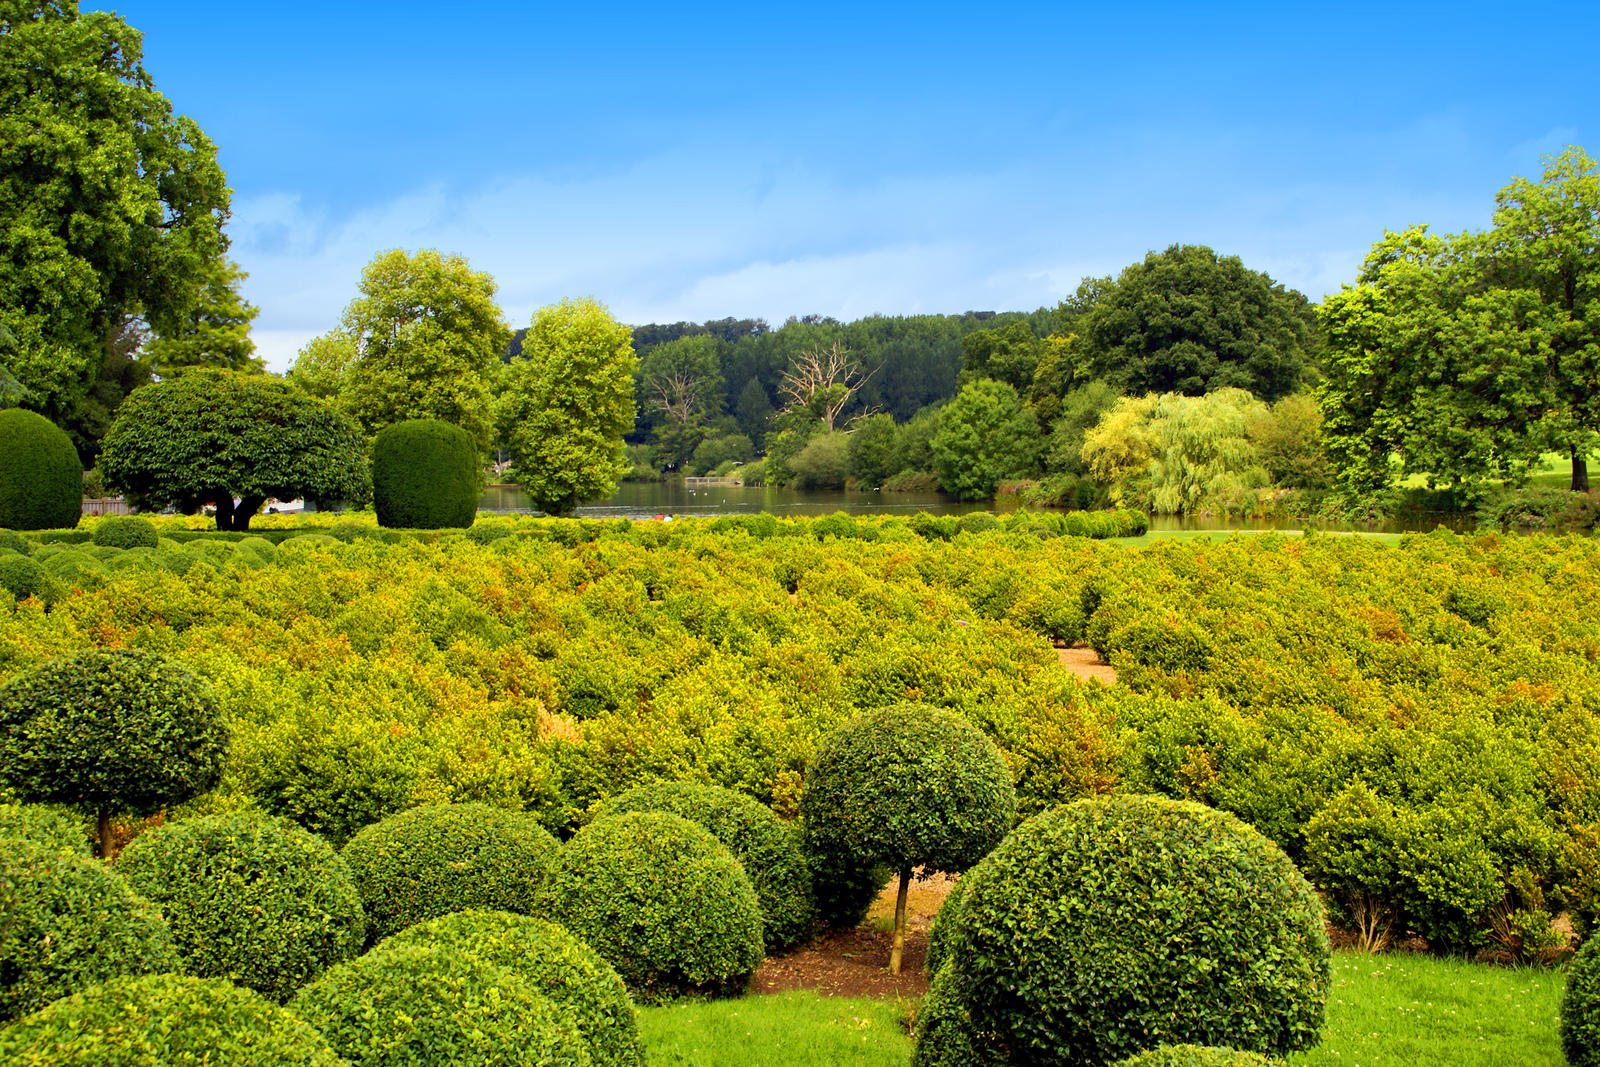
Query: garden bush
[
  {"x": 125, "y": 531},
  {"x": 20, "y": 575},
  {"x": 41, "y": 480},
  {"x": 428, "y": 1005},
  {"x": 1116, "y": 925},
  {"x": 1197, "y": 1056},
  {"x": 43, "y": 826},
  {"x": 1580, "y": 1007},
  {"x": 942, "y": 935},
  {"x": 425, "y": 475},
  {"x": 162, "y": 1020},
  {"x": 663, "y": 901},
  {"x": 12, "y": 541},
  {"x": 251, "y": 898},
  {"x": 770, "y": 851},
  {"x": 555, "y": 964},
  {"x": 946, "y": 1036},
  {"x": 66, "y": 923},
  {"x": 110, "y": 731},
  {"x": 439, "y": 858}
]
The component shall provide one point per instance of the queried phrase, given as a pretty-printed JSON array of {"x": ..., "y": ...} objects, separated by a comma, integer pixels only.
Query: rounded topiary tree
[
  {"x": 431, "y": 860},
  {"x": 1580, "y": 1007},
  {"x": 41, "y": 480},
  {"x": 425, "y": 475},
  {"x": 552, "y": 962},
  {"x": 426, "y": 1005},
  {"x": 1116, "y": 925},
  {"x": 110, "y": 731},
  {"x": 1197, "y": 1056},
  {"x": 66, "y": 922},
  {"x": 251, "y": 898},
  {"x": 909, "y": 786},
  {"x": 126, "y": 531},
  {"x": 659, "y": 898},
  {"x": 770, "y": 850},
  {"x": 164, "y": 1019}
]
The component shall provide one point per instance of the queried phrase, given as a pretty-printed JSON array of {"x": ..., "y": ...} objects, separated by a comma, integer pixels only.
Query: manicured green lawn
[{"x": 1386, "y": 1011}]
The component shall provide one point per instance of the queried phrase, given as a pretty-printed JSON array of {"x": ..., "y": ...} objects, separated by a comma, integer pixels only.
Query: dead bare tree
[{"x": 823, "y": 381}]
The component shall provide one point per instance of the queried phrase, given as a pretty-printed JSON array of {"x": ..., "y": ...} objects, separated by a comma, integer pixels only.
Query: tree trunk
[
  {"x": 900, "y": 923},
  {"x": 224, "y": 511},
  {"x": 1580, "y": 472},
  {"x": 242, "y": 514},
  {"x": 102, "y": 845}
]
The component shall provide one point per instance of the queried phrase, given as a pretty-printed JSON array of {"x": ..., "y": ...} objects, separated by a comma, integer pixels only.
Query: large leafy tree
[
  {"x": 111, "y": 205},
  {"x": 566, "y": 401},
  {"x": 214, "y": 333},
  {"x": 1463, "y": 358},
  {"x": 985, "y": 436},
  {"x": 212, "y": 436},
  {"x": 427, "y": 337},
  {"x": 1188, "y": 321}
]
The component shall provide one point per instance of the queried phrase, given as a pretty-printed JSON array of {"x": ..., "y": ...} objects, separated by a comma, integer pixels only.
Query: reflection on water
[{"x": 647, "y": 500}]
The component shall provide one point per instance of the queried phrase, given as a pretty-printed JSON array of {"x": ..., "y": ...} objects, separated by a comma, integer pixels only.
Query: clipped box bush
[
  {"x": 1116, "y": 925},
  {"x": 125, "y": 531},
  {"x": 160, "y": 1020},
  {"x": 428, "y": 1005},
  {"x": 663, "y": 901},
  {"x": 43, "y": 826},
  {"x": 1580, "y": 1007},
  {"x": 20, "y": 575},
  {"x": 555, "y": 964},
  {"x": 66, "y": 923},
  {"x": 1197, "y": 1056},
  {"x": 15, "y": 542},
  {"x": 942, "y": 935},
  {"x": 438, "y": 858},
  {"x": 41, "y": 480},
  {"x": 425, "y": 476},
  {"x": 769, "y": 849},
  {"x": 946, "y": 1036},
  {"x": 251, "y": 898}
]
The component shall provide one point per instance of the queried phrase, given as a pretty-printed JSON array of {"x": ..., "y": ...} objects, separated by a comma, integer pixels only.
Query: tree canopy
[
  {"x": 985, "y": 436},
  {"x": 212, "y": 436},
  {"x": 680, "y": 389},
  {"x": 214, "y": 333}
]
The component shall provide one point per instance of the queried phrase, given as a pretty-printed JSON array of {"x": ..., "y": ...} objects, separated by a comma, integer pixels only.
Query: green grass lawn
[{"x": 1385, "y": 1011}]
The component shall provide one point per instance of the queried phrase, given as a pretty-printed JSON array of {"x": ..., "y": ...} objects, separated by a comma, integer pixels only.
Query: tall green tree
[
  {"x": 680, "y": 389},
  {"x": 565, "y": 403},
  {"x": 111, "y": 205},
  {"x": 985, "y": 436},
  {"x": 1009, "y": 354},
  {"x": 214, "y": 333}
]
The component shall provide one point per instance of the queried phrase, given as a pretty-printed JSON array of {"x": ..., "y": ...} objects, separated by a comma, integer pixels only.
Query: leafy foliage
[
  {"x": 41, "y": 480},
  {"x": 1580, "y": 1007},
  {"x": 164, "y": 1019},
  {"x": 214, "y": 333},
  {"x": 440, "y": 858},
  {"x": 984, "y": 437},
  {"x": 425, "y": 475},
  {"x": 125, "y": 531},
  {"x": 663, "y": 901},
  {"x": 44, "y": 826},
  {"x": 251, "y": 898},
  {"x": 1196, "y": 1056}
]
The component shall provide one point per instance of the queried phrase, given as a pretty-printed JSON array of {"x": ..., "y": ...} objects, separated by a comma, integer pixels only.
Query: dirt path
[{"x": 1086, "y": 663}]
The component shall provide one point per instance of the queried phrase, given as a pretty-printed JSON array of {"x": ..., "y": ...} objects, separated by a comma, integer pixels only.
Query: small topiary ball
[
  {"x": 1580, "y": 1007},
  {"x": 427, "y": 1005},
  {"x": 439, "y": 858},
  {"x": 66, "y": 922},
  {"x": 1197, "y": 1056},
  {"x": 164, "y": 1019},
  {"x": 43, "y": 826},
  {"x": 10, "y": 539},
  {"x": 552, "y": 962},
  {"x": 20, "y": 575},
  {"x": 1119, "y": 924},
  {"x": 661, "y": 900},
  {"x": 425, "y": 475},
  {"x": 126, "y": 531},
  {"x": 251, "y": 898},
  {"x": 41, "y": 480},
  {"x": 770, "y": 850}
]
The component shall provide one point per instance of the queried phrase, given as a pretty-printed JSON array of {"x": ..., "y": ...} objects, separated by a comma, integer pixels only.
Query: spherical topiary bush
[
  {"x": 428, "y": 1005},
  {"x": 1120, "y": 924},
  {"x": 20, "y": 575},
  {"x": 126, "y": 531},
  {"x": 770, "y": 851},
  {"x": 41, "y": 480},
  {"x": 160, "y": 1020},
  {"x": 43, "y": 826},
  {"x": 659, "y": 898},
  {"x": 1197, "y": 1056},
  {"x": 425, "y": 475},
  {"x": 945, "y": 924},
  {"x": 908, "y": 786},
  {"x": 554, "y": 964},
  {"x": 251, "y": 898},
  {"x": 439, "y": 858},
  {"x": 110, "y": 731},
  {"x": 10, "y": 539},
  {"x": 1580, "y": 1007},
  {"x": 66, "y": 922},
  {"x": 946, "y": 1036}
]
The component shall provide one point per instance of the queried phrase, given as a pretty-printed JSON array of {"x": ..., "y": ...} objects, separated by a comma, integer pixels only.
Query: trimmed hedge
[
  {"x": 945, "y": 1033},
  {"x": 427, "y": 1005},
  {"x": 555, "y": 964},
  {"x": 66, "y": 923},
  {"x": 425, "y": 475},
  {"x": 251, "y": 898},
  {"x": 41, "y": 479},
  {"x": 43, "y": 826},
  {"x": 770, "y": 851},
  {"x": 1580, "y": 1007},
  {"x": 1197, "y": 1056},
  {"x": 661, "y": 900},
  {"x": 21, "y": 576},
  {"x": 1115, "y": 925},
  {"x": 439, "y": 858},
  {"x": 15, "y": 542},
  {"x": 125, "y": 531},
  {"x": 161, "y": 1020}
]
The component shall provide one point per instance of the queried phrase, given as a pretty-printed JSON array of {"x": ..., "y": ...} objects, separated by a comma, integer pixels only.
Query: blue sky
[{"x": 709, "y": 160}]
